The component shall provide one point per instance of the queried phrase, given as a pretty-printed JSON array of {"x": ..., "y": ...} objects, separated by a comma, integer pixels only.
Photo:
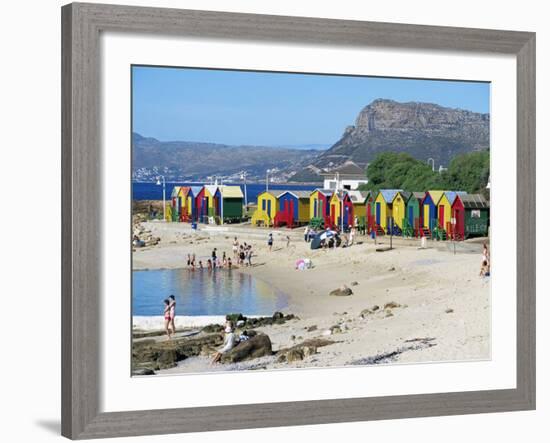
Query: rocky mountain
[
  {"x": 424, "y": 130},
  {"x": 182, "y": 160}
]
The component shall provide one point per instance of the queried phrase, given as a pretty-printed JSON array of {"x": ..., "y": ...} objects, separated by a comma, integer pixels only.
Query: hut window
[{"x": 476, "y": 213}]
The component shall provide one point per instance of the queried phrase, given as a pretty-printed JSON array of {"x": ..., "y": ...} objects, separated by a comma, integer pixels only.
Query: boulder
[
  {"x": 391, "y": 305},
  {"x": 343, "y": 291},
  {"x": 255, "y": 347},
  {"x": 300, "y": 351}
]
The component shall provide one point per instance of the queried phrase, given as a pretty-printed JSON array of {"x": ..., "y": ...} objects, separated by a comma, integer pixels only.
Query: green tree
[{"x": 467, "y": 172}]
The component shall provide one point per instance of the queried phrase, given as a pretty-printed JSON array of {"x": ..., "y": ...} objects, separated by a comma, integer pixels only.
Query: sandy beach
[{"x": 408, "y": 304}]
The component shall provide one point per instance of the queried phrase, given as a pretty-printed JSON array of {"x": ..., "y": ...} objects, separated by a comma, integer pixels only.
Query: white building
[{"x": 347, "y": 176}]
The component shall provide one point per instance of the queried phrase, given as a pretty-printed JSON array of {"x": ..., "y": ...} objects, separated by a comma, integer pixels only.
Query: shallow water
[{"x": 203, "y": 292}]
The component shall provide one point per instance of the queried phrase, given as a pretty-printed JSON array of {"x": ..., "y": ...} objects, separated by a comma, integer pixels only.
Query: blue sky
[{"x": 273, "y": 109}]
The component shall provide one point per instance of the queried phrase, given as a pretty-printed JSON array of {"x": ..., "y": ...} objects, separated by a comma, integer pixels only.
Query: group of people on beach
[
  {"x": 485, "y": 270},
  {"x": 242, "y": 254}
]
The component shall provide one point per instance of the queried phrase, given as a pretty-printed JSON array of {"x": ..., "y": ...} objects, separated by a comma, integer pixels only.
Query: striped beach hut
[
  {"x": 359, "y": 199},
  {"x": 383, "y": 207},
  {"x": 229, "y": 203},
  {"x": 211, "y": 201},
  {"x": 293, "y": 208},
  {"x": 183, "y": 208},
  {"x": 430, "y": 209},
  {"x": 268, "y": 202},
  {"x": 192, "y": 201},
  {"x": 444, "y": 210},
  {"x": 175, "y": 204},
  {"x": 201, "y": 205},
  {"x": 399, "y": 208},
  {"x": 341, "y": 210},
  {"x": 414, "y": 211},
  {"x": 369, "y": 209},
  {"x": 471, "y": 212},
  {"x": 319, "y": 205}
]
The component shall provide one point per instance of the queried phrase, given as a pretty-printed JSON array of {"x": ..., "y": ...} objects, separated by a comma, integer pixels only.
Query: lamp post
[
  {"x": 243, "y": 178},
  {"x": 267, "y": 179},
  {"x": 163, "y": 195},
  {"x": 433, "y": 163}
]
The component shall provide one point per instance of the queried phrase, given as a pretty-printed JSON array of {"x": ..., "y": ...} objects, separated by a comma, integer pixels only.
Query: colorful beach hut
[
  {"x": 444, "y": 212},
  {"x": 175, "y": 204},
  {"x": 383, "y": 207},
  {"x": 359, "y": 199},
  {"x": 471, "y": 213},
  {"x": 229, "y": 203},
  {"x": 369, "y": 209},
  {"x": 267, "y": 208},
  {"x": 211, "y": 201},
  {"x": 430, "y": 209},
  {"x": 184, "y": 209},
  {"x": 192, "y": 201},
  {"x": 319, "y": 205},
  {"x": 201, "y": 205},
  {"x": 341, "y": 210},
  {"x": 399, "y": 208},
  {"x": 414, "y": 212},
  {"x": 293, "y": 209}
]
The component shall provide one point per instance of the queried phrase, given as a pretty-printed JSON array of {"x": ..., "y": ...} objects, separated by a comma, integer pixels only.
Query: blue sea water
[
  {"x": 152, "y": 191},
  {"x": 203, "y": 292}
]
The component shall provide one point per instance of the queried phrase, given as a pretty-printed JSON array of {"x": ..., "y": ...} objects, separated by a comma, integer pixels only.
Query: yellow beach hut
[
  {"x": 399, "y": 205},
  {"x": 210, "y": 197},
  {"x": 430, "y": 209},
  {"x": 359, "y": 201},
  {"x": 445, "y": 211},
  {"x": 319, "y": 205},
  {"x": 268, "y": 205},
  {"x": 383, "y": 207}
]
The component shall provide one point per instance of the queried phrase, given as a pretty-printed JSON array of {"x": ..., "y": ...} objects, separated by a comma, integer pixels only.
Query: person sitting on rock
[{"x": 229, "y": 342}]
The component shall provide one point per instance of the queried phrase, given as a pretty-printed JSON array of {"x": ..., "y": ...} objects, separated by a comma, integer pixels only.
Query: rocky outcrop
[
  {"x": 154, "y": 355},
  {"x": 424, "y": 130},
  {"x": 300, "y": 351},
  {"x": 255, "y": 347}
]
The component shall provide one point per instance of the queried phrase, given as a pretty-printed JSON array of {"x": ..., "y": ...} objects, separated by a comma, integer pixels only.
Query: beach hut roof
[
  {"x": 231, "y": 191},
  {"x": 275, "y": 192},
  {"x": 451, "y": 195},
  {"x": 473, "y": 201},
  {"x": 184, "y": 190},
  {"x": 175, "y": 191},
  {"x": 419, "y": 195},
  {"x": 326, "y": 192},
  {"x": 357, "y": 196},
  {"x": 405, "y": 194},
  {"x": 298, "y": 193},
  {"x": 436, "y": 196},
  {"x": 196, "y": 189},
  {"x": 389, "y": 194},
  {"x": 211, "y": 188}
]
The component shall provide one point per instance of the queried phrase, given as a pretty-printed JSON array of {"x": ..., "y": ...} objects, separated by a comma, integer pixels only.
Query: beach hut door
[
  {"x": 377, "y": 213},
  {"x": 411, "y": 216},
  {"x": 441, "y": 216},
  {"x": 269, "y": 208}
]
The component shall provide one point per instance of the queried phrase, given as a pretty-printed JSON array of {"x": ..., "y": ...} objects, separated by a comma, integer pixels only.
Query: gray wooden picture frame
[{"x": 81, "y": 228}]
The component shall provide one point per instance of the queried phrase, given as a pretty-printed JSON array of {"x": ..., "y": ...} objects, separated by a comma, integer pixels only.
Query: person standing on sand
[
  {"x": 306, "y": 234},
  {"x": 249, "y": 256},
  {"x": 270, "y": 242},
  {"x": 172, "y": 300},
  {"x": 287, "y": 241},
  {"x": 214, "y": 258},
  {"x": 235, "y": 247},
  {"x": 167, "y": 318}
]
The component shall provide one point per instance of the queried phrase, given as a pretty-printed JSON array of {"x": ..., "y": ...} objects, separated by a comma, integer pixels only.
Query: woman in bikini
[
  {"x": 172, "y": 300},
  {"x": 167, "y": 318}
]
